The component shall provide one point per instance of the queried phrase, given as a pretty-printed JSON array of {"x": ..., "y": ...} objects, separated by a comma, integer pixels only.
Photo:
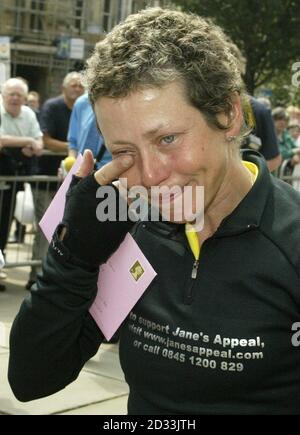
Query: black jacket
[{"x": 218, "y": 344}]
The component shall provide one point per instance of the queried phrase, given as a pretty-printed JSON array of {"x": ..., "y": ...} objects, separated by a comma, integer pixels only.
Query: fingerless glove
[{"x": 87, "y": 238}]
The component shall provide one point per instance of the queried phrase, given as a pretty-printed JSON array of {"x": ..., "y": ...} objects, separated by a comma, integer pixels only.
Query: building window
[
  {"x": 36, "y": 23},
  {"x": 79, "y": 15},
  {"x": 106, "y": 15}
]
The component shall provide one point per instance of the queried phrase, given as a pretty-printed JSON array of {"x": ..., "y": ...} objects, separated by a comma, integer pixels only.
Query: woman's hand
[{"x": 82, "y": 231}]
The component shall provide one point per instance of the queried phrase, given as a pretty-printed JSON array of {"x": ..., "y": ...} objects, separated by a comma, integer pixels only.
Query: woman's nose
[{"x": 154, "y": 169}]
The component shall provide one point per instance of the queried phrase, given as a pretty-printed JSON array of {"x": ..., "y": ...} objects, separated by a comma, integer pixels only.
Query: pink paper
[
  {"x": 122, "y": 279},
  {"x": 55, "y": 211}
]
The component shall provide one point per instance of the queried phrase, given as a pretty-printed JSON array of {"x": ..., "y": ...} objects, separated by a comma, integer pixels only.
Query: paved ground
[{"x": 100, "y": 388}]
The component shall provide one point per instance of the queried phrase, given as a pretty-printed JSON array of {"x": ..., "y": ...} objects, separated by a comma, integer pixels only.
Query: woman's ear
[{"x": 234, "y": 117}]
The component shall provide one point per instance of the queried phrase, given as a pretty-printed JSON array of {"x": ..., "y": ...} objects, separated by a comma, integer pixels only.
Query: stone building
[{"x": 48, "y": 38}]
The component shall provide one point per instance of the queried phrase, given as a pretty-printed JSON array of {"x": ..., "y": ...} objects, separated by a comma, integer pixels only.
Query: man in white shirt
[
  {"x": 19, "y": 128},
  {"x": 21, "y": 142}
]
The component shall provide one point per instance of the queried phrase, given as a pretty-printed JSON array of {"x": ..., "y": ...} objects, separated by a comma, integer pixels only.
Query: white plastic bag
[
  {"x": 2, "y": 262},
  {"x": 24, "y": 210},
  {"x": 296, "y": 174}
]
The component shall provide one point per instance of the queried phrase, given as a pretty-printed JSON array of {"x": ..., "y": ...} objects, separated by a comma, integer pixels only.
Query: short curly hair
[{"x": 157, "y": 46}]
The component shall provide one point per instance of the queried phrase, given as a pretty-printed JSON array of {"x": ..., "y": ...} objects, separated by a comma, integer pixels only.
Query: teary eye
[{"x": 168, "y": 139}]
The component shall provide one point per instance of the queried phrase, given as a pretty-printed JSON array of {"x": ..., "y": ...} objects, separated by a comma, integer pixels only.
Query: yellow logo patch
[{"x": 136, "y": 270}]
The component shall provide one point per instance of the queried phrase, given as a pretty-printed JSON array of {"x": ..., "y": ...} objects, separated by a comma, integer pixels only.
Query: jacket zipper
[
  {"x": 189, "y": 293},
  {"x": 195, "y": 269}
]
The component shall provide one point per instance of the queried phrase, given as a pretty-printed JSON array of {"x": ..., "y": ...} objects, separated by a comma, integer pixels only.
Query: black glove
[{"x": 87, "y": 239}]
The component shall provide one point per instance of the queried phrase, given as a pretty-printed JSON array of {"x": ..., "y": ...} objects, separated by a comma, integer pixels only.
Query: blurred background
[{"x": 41, "y": 40}]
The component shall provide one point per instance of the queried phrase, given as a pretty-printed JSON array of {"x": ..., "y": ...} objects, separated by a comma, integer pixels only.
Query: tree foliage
[
  {"x": 285, "y": 90},
  {"x": 266, "y": 31}
]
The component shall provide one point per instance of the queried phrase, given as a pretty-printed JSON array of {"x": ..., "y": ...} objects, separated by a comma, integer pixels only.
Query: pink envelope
[{"x": 122, "y": 279}]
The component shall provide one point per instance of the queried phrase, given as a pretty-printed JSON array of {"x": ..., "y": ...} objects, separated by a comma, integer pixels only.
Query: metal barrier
[
  {"x": 43, "y": 189},
  {"x": 20, "y": 253},
  {"x": 290, "y": 174}
]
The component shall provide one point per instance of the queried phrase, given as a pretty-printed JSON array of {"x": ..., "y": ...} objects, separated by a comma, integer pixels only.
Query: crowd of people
[
  {"x": 284, "y": 123},
  {"x": 26, "y": 130}
]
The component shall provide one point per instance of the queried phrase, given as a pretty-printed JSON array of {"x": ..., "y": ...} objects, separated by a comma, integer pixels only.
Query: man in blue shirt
[{"x": 83, "y": 132}]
